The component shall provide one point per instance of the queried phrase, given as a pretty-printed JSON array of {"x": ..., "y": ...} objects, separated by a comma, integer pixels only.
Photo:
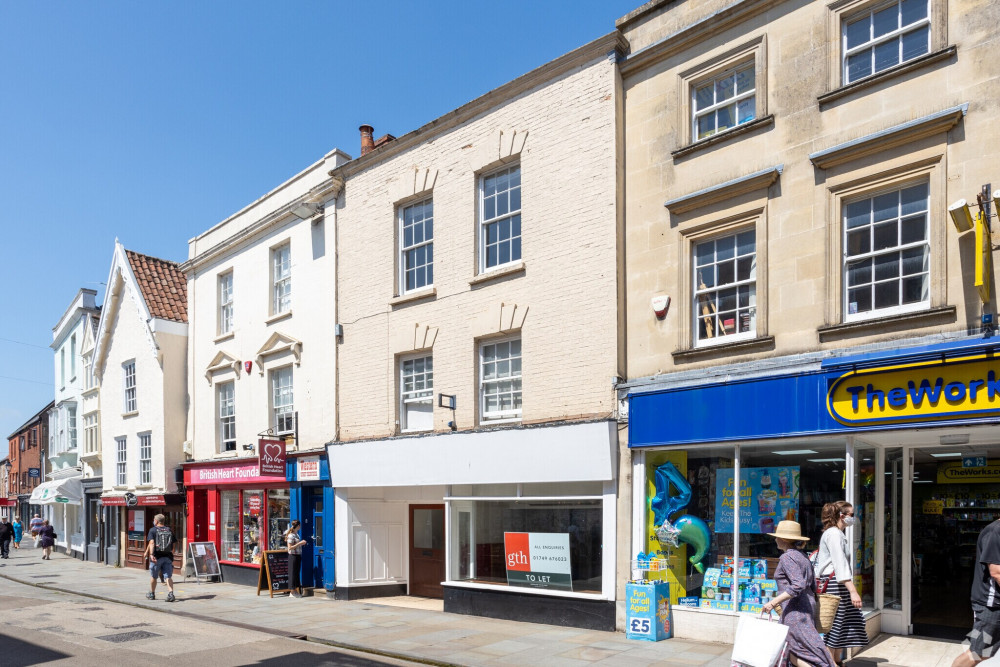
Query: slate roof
[{"x": 163, "y": 285}]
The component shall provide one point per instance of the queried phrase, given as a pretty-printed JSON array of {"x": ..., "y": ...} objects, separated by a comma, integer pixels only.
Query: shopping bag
[{"x": 759, "y": 642}]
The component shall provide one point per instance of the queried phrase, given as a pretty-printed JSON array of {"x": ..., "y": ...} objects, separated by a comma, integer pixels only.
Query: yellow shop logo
[{"x": 934, "y": 390}]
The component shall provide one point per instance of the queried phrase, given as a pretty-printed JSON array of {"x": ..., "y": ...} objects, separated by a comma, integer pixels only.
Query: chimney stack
[{"x": 367, "y": 140}]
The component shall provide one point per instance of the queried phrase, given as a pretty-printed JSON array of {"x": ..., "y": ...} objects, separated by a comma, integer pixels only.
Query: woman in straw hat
[{"x": 797, "y": 596}]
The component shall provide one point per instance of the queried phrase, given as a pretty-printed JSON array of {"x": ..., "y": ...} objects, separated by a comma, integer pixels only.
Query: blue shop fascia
[{"x": 745, "y": 446}]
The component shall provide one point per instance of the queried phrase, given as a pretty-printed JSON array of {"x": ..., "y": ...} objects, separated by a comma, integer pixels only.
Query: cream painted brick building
[
  {"x": 788, "y": 169},
  {"x": 546, "y": 145}
]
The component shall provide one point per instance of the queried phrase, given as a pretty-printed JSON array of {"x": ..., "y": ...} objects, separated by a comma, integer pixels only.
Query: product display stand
[{"x": 647, "y": 608}]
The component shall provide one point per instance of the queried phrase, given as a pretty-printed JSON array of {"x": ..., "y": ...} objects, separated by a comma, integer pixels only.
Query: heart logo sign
[{"x": 271, "y": 458}]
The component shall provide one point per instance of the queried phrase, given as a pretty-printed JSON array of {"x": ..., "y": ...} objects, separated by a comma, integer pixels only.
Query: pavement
[{"x": 418, "y": 632}]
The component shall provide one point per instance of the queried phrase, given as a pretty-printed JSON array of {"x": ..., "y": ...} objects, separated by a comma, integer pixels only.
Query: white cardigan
[{"x": 832, "y": 558}]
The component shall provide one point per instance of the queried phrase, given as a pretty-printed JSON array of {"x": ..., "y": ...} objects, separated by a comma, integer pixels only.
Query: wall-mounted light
[
  {"x": 248, "y": 448},
  {"x": 961, "y": 215},
  {"x": 306, "y": 210}
]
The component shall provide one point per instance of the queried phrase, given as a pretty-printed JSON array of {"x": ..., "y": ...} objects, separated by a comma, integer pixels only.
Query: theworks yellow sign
[
  {"x": 933, "y": 390},
  {"x": 953, "y": 473}
]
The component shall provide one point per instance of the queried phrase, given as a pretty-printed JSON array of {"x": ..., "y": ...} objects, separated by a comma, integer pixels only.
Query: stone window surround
[
  {"x": 842, "y": 10},
  {"x": 754, "y": 49},
  {"x": 735, "y": 223},
  {"x": 852, "y": 184}
]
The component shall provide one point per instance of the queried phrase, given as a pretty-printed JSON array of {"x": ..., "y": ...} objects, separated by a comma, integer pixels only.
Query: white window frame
[
  {"x": 423, "y": 395},
  {"x": 226, "y": 400},
  {"x": 88, "y": 376},
  {"x": 130, "y": 403},
  {"x": 283, "y": 404},
  {"x": 71, "y": 427},
  {"x": 698, "y": 293},
  {"x": 873, "y": 42},
  {"x": 736, "y": 99},
  {"x": 426, "y": 243},
  {"x": 72, "y": 357},
  {"x": 145, "y": 458},
  {"x": 281, "y": 278},
  {"x": 225, "y": 296},
  {"x": 90, "y": 433},
  {"x": 121, "y": 461},
  {"x": 509, "y": 216},
  {"x": 62, "y": 367},
  {"x": 876, "y": 313},
  {"x": 518, "y": 379}
]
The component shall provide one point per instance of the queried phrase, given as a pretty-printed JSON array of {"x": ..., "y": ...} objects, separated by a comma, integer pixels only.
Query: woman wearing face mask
[{"x": 834, "y": 566}]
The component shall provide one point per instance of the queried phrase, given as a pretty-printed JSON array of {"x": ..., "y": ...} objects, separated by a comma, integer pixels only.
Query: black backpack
[{"x": 164, "y": 542}]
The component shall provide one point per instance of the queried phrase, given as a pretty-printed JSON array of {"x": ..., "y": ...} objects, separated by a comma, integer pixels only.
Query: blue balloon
[{"x": 687, "y": 529}]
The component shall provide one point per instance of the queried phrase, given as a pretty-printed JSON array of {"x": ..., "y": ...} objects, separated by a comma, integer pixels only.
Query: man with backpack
[{"x": 160, "y": 550}]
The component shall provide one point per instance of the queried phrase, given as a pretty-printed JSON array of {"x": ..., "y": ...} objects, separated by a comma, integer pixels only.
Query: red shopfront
[
  {"x": 243, "y": 512},
  {"x": 138, "y": 512}
]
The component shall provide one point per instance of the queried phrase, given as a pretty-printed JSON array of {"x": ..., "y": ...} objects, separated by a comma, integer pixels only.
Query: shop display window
[
  {"x": 253, "y": 525},
  {"x": 865, "y": 529},
  {"x": 250, "y": 525},
  {"x": 230, "y": 525},
  {"x": 892, "y": 550},
  {"x": 278, "y": 517},
  {"x": 691, "y": 491},
  {"x": 572, "y": 530}
]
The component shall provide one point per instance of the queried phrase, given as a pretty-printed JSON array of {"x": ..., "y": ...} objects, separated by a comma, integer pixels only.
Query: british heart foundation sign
[{"x": 271, "y": 457}]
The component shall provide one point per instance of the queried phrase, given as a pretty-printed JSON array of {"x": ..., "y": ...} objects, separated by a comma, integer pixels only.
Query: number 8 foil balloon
[{"x": 687, "y": 529}]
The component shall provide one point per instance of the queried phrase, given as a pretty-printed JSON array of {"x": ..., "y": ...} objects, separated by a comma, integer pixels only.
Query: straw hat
[{"x": 791, "y": 531}]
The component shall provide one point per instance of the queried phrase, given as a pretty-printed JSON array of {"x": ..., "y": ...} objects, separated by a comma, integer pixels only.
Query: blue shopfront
[
  {"x": 910, "y": 436},
  {"x": 312, "y": 504}
]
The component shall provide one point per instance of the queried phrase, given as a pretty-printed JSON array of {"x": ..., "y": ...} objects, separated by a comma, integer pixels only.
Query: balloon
[
  {"x": 695, "y": 532},
  {"x": 687, "y": 529}
]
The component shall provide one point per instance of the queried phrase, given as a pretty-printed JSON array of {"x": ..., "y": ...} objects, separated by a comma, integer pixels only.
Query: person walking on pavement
[
  {"x": 34, "y": 527},
  {"x": 984, "y": 638},
  {"x": 18, "y": 532},
  {"x": 833, "y": 566},
  {"x": 47, "y": 539},
  {"x": 6, "y": 534},
  {"x": 160, "y": 550}
]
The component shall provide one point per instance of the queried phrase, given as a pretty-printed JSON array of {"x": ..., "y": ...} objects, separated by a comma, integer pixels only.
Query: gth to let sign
[{"x": 956, "y": 388}]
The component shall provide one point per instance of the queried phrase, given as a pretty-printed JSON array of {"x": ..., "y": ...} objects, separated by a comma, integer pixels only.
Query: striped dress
[{"x": 848, "y": 625}]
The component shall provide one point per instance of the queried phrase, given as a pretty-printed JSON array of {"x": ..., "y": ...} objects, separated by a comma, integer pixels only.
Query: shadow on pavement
[
  {"x": 20, "y": 653},
  {"x": 303, "y": 659}
]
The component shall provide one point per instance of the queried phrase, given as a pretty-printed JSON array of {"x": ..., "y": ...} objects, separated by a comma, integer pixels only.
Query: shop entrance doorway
[
  {"x": 951, "y": 505},
  {"x": 427, "y": 550}
]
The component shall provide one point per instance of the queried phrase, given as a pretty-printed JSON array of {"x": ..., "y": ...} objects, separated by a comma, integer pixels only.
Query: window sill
[
  {"x": 493, "y": 274},
  {"x": 226, "y": 455},
  {"x": 766, "y": 121},
  {"x": 523, "y": 590},
  {"x": 486, "y": 423},
  {"x": 227, "y": 336},
  {"x": 826, "y": 98},
  {"x": 278, "y": 317},
  {"x": 126, "y": 415},
  {"x": 417, "y": 295},
  {"x": 905, "y": 321},
  {"x": 736, "y": 347}
]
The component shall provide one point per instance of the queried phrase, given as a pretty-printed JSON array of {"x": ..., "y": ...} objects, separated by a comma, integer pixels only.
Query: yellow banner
[
  {"x": 953, "y": 473},
  {"x": 963, "y": 387},
  {"x": 984, "y": 258},
  {"x": 933, "y": 507}
]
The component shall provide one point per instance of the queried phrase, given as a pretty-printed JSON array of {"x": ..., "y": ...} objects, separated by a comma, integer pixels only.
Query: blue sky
[{"x": 152, "y": 121}]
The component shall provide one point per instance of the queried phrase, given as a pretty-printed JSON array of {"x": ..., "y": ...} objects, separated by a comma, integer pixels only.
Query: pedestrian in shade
[
  {"x": 47, "y": 539},
  {"x": 834, "y": 566},
  {"x": 294, "y": 543},
  {"x": 6, "y": 535},
  {"x": 34, "y": 526},
  {"x": 983, "y": 640}
]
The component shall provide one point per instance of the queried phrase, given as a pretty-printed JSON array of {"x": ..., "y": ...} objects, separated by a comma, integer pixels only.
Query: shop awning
[
  {"x": 69, "y": 490},
  {"x": 584, "y": 452}
]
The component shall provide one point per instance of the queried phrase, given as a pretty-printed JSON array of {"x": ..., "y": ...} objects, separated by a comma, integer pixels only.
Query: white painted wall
[{"x": 311, "y": 322}]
